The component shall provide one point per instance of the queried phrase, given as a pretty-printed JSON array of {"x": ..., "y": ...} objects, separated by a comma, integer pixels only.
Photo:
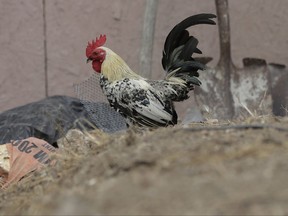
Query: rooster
[{"x": 144, "y": 102}]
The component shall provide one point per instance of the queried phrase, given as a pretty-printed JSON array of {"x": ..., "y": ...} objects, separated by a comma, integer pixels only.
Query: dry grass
[{"x": 228, "y": 171}]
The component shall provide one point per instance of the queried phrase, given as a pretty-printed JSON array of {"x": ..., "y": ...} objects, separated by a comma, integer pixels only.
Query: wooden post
[
  {"x": 45, "y": 48},
  {"x": 225, "y": 64},
  {"x": 148, "y": 38}
]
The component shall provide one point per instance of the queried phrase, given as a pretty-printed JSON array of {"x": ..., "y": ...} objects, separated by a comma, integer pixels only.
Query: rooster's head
[{"x": 95, "y": 53}]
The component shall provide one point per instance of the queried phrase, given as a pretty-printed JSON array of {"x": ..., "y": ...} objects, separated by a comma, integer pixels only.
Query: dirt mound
[{"x": 228, "y": 168}]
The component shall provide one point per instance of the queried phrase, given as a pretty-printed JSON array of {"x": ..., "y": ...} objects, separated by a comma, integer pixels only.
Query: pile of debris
[{"x": 30, "y": 133}]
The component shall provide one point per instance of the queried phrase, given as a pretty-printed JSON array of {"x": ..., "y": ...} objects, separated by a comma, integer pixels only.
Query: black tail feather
[
  {"x": 180, "y": 46},
  {"x": 188, "y": 66},
  {"x": 197, "y": 51},
  {"x": 189, "y": 49}
]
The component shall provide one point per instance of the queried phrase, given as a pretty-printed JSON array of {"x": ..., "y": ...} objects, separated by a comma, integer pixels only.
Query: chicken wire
[{"x": 94, "y": 101}]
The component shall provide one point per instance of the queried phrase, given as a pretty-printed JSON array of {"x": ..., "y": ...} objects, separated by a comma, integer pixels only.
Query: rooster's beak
[{"x": 88, "y": 60}]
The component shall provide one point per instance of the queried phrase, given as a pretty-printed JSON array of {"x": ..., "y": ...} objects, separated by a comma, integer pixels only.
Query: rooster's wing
[{"x": 139, "y": 103}]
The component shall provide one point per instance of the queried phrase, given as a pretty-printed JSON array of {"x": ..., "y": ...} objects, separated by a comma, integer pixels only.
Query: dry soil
[{"x": 201, "y": 169}]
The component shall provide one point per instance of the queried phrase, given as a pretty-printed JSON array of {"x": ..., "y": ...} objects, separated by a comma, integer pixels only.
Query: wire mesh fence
[{"x": 102, "y": 115}]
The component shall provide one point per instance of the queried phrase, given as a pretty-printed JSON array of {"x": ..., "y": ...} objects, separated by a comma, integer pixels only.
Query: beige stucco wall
[
  {"x": 21, "y": 52},
  {"x": 259, "y": 29}
]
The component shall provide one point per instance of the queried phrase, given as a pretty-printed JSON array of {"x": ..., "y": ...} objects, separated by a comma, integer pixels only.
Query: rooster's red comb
[{"x": 94, "y": 44}]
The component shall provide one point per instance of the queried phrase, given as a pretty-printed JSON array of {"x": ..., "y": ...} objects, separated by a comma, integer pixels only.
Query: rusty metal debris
[{"x": 230, "y": 92}]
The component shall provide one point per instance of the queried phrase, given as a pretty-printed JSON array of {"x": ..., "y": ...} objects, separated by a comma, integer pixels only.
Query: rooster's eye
[{"x": 96, "y": 53}]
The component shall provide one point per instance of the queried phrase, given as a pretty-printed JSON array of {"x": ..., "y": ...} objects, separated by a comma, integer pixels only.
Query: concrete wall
[{"x": 259, "y": 29}]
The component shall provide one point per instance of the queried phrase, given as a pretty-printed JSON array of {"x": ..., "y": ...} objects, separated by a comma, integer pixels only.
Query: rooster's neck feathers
[{"x": 115, "y": 68}]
